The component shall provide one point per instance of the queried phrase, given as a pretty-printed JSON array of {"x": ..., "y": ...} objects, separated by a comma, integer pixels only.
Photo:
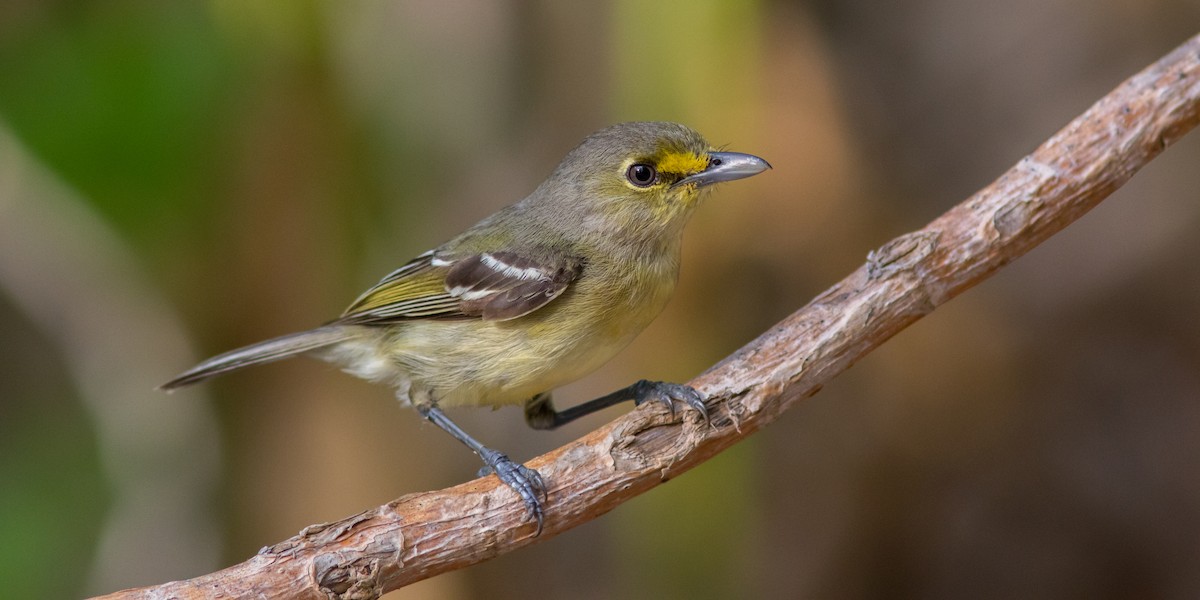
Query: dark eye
[{"x": 641, "y": 174}]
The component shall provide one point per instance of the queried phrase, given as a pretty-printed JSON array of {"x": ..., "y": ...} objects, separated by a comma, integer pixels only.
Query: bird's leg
[
  {"x": 540, "y": 412},
  {"x": 526, "y": 482}
]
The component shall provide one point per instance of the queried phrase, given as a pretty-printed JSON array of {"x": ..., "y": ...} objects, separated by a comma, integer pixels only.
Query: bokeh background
[{"x": 179, "y": 178}]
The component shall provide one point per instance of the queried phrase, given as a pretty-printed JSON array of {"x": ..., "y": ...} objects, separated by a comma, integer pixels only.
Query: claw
[
  {"x": 526, "y": 482},
  {"x": 669, "y": 394}
]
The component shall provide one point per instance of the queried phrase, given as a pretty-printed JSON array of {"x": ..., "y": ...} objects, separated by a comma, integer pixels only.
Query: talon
[
  {"x": 526, "y": 482},
  {"x": 697, "y": 403},
  {"x": 669, "y": 394}
]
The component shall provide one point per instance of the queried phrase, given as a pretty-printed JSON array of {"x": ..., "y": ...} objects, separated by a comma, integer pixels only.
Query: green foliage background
[{"x": 262, "y": 162}]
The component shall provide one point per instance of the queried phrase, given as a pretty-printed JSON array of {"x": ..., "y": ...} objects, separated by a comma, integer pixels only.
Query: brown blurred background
[{"x": 179, "y": 178}]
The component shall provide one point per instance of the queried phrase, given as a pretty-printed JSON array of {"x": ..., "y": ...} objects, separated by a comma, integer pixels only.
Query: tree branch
[{"x": 421, "y": 535}]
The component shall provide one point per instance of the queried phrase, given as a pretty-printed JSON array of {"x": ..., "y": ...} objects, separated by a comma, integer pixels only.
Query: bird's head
[{"x": 645, "y": 174}]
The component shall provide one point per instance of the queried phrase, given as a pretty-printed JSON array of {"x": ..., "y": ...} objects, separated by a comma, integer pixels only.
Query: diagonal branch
[{"x": 421, "y": 535}]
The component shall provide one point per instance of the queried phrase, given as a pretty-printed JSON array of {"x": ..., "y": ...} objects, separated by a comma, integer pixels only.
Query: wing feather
[
  {"x": 504, "y": 285},
  {"x": 497, "y": 286}
]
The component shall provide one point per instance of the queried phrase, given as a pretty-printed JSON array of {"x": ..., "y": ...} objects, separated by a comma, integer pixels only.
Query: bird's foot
[
  {"x": 669, "y": 394},
  {"x": 526, "y": 482}
]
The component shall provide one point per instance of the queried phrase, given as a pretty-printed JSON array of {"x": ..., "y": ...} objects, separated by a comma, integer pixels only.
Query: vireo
[{"x": 533, "y": 297}]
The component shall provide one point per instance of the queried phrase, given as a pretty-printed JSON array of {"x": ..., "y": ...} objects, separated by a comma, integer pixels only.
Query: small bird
[{"x": 532, "y": 297}]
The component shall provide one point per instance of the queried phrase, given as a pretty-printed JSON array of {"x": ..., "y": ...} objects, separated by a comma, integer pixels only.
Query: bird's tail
[{"x": 257, "y": 354}]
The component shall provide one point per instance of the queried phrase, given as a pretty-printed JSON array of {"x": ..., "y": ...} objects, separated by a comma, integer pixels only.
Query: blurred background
[{"x": 180, "y": 178}]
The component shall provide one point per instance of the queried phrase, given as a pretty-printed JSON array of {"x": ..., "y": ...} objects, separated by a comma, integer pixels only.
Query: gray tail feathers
[{"x": 256, "y": 354}]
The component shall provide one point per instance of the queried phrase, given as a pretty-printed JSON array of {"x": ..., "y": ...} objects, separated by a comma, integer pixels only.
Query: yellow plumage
[{"x": 535, "y": 296}]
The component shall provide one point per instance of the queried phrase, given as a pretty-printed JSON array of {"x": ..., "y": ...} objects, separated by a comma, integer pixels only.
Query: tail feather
[{"x": 256, "y": 354}]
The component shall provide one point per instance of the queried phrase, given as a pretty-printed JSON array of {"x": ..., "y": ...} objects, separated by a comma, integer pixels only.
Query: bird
[{"x": 535, "y": 296}]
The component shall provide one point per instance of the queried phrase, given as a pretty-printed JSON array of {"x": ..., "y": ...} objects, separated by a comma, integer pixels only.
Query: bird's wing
[{"x": 495, "y": 286}]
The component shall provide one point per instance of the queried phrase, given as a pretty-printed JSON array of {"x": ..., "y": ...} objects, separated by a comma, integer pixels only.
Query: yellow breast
[{"x": 475, "y": 362}]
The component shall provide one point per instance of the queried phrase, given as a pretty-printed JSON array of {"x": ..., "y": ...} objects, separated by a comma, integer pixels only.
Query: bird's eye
[{"x": 641, "y": 174}]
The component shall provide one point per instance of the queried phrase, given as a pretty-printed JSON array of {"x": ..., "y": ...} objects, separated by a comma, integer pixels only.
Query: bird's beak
[{"x": 726, "y": 166}]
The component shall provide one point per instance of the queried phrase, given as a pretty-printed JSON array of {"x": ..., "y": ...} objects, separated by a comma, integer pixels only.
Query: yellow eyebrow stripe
[{"x": 682, "y": 163}]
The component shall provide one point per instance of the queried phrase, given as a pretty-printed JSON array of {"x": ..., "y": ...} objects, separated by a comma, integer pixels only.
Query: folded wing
[{"x": 496, "y": 286}]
